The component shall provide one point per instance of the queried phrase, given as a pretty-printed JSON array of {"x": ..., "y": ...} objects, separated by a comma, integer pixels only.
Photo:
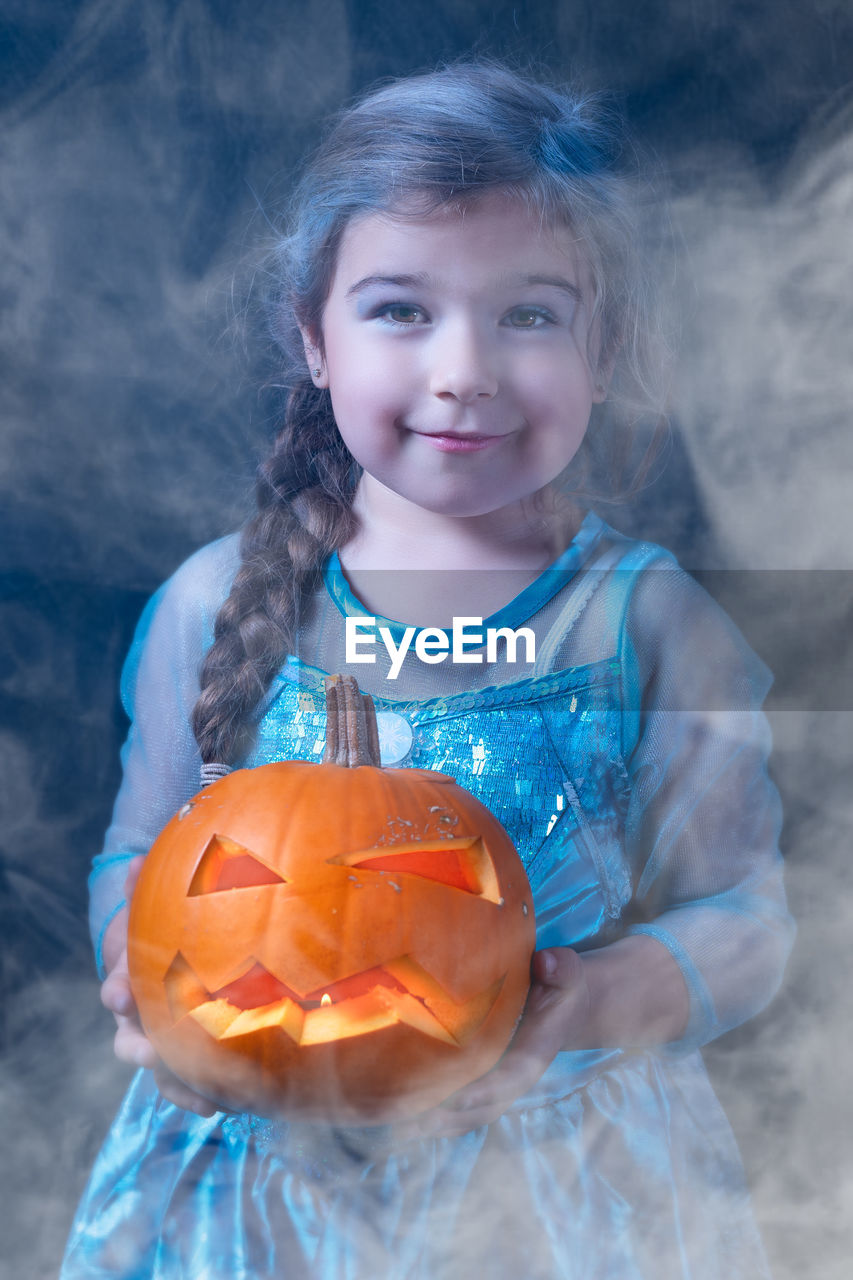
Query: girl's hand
[
  {"x": 630, "y": 993},
  {"x": 556, "y": 1015},
  {"x": 131, "y": 1043}
]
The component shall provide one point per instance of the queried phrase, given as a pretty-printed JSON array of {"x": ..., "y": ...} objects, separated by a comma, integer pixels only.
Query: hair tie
[{"x": 212, "y": 771}]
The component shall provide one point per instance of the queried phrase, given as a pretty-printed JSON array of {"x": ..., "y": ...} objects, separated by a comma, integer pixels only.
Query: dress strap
[
  {"x": 582, "y": 591},
  {"x": 628, "y": 563}
]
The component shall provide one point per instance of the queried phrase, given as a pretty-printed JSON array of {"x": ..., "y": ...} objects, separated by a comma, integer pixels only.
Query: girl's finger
[
  {"x": 445, "y": 1123},
  {"x": 502, "y": 1083},
  {"x": 174, "y": 1090},
  {"x": 117, "y": 996},
  {"x": 132, "y": 1046},
  {"x": 477, "y": 1104},
  {"x": 559, "y": 967}
]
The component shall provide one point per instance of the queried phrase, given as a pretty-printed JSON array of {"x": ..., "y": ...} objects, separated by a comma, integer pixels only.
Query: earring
[{"x": 316, "y": 372}]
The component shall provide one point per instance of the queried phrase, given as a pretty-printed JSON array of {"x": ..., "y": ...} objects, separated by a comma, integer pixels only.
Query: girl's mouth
[{"x": 449, "y": 443}]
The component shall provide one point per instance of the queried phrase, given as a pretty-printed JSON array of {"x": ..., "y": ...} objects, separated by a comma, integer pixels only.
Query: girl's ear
[
  {"x": 314, "y": 356},
  {"x": 604, "y": 372},
  {"x": 601, "y": 385}
]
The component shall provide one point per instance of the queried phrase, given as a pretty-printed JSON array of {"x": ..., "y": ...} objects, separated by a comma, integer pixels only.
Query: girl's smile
[
  {"x": 450, "y": 443},
  {"x": 456, "y": 349}
]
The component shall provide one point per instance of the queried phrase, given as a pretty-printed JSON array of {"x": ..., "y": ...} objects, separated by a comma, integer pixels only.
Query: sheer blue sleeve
[
  {"x": 704, "y": 817},
  {"x": 159, "y": 688}
]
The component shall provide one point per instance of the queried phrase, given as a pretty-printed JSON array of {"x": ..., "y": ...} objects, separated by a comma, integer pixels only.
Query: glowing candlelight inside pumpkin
[{"x": 325, "y": 999}]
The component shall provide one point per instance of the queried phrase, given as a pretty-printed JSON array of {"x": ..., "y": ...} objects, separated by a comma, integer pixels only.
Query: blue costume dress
[{"x": 628, "y": 764}]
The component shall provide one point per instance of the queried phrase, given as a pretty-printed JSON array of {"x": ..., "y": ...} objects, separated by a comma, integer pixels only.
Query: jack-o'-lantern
[{"x": 333, "y": 941}]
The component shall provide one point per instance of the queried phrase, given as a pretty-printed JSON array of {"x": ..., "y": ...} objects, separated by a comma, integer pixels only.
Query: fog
[{"x": 145, "y": 153}]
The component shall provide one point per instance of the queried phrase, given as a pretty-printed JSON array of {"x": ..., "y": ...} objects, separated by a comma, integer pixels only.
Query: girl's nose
[{"x": 464, "y": 367}]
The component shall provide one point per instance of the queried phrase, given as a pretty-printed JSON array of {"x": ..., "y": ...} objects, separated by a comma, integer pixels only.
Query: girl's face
[{"x": 456, "y": 349}]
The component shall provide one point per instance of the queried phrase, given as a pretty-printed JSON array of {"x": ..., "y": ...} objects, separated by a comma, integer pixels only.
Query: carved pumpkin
[{"x": 333, "y": 941}]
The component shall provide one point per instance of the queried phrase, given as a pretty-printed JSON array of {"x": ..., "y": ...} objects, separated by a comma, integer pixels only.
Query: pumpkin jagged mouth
[{"x": 400, "y": 991}]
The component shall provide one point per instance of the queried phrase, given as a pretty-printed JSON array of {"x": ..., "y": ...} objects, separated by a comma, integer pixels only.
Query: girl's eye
[
  {"x": 528, "y": 317},
  {"x": 402, "y": 313}
]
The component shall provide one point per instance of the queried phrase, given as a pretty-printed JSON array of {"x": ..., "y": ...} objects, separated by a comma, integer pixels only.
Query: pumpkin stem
[{"x": 352, "y": 737}]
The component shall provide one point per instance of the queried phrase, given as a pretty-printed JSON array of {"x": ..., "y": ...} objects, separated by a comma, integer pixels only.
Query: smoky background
[{"x": 142, "y": 148}]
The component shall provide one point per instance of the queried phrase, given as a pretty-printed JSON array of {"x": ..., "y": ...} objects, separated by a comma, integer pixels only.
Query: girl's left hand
[
  {"x": 131, "y": 1043},
  {"x": 555, "y": 1015}
]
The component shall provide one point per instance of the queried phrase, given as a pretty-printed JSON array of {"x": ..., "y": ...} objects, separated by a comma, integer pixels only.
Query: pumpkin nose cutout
[{"x": 225, "y": 864}]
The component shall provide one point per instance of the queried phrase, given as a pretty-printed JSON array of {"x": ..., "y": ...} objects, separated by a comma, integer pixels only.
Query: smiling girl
[
  {"x": 463, "y": 313},
  {"x": 462, "y": 387}
]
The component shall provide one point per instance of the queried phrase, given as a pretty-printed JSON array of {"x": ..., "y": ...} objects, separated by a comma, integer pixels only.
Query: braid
[{"x": 304, "y": 496}]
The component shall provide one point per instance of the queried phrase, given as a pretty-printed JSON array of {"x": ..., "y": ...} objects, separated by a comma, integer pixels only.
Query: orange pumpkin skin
[{"x": 393, "y": 893}]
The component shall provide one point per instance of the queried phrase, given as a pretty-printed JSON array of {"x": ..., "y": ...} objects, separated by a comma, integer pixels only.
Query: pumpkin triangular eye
[
  {"x": 459, "y": 863},
  {"x": 225, "y": 864}
]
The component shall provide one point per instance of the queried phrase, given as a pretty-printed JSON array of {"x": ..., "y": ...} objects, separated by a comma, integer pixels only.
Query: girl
[{"x": 462, "y": 301}]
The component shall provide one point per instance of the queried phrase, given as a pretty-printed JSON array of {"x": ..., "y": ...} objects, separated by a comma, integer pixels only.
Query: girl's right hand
[{"x": 131, "y": 1043}]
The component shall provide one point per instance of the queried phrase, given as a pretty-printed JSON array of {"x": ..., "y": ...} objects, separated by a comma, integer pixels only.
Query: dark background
[{"x": 144, "y": 150}]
